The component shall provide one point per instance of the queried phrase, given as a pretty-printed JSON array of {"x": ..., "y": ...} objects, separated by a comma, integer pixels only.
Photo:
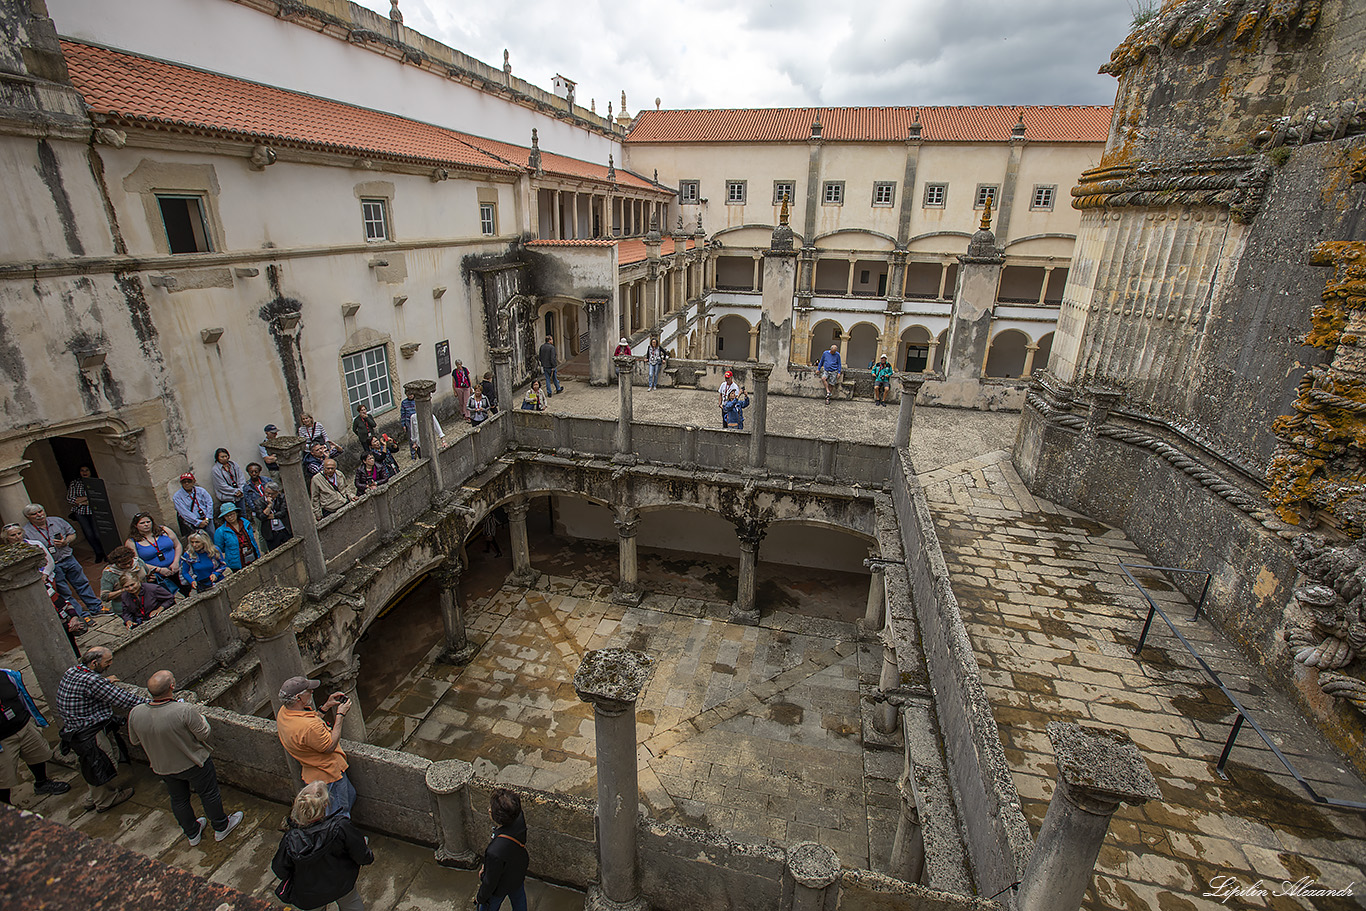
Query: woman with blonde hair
[
  {"x": 320, "y": 856},
  {"x": 202, "y": 564}
]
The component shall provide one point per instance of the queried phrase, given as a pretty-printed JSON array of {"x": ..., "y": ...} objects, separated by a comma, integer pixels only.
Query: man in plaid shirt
[{"x": 86, "y": 700}]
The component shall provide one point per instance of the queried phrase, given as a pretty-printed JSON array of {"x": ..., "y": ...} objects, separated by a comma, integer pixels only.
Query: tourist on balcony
[
  {"x": 202, "y": 563},
  {"x": 308, "y": 738},
  {"x": 732, "y": 412},
  {"x": 313, "y": 432},
  {"x": 383, "y": 448},
  {"x": 369, "y": 475},
  {"x": 407, "y": 414},
  {"x": 68, "y": 577},
  {"x": 141, "y": 601},
  {"x": 314, "y": 456},
  {"x": 193, "y": 506},
  {"x": 235, "y": 539},
  {"x": 655, "y": 356},
  {"x": 159, "y": 548},
  {"x": 78, "y": 496},
  {"x": 122, "y": 561},
  {"x": 329, "y": 491},
  {"x": 550, "y": 364},
  {"x": 535, "y": 398},
  {"x": 882, "y": 380},
  {"x": 479, "y": 408},
  {"x": 728, "y": 385},
  {"x": 363, "y": 426},
  {"x": 72, "y": 622},
  {"x": 503, "y": 874},
  {"x": 829, "y": 368},
  {"x": 319, "y": 858},
  {"x": 269, "y": 461},
  {"x": 490, "y": 391},
  {"x": 460, "y": 383},
  {"x": 275, "y": 528},
  {"x": 228, "y": 480}
]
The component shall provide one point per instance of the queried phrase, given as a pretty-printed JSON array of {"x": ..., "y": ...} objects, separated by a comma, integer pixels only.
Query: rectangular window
[
  {"x": 985, "y": 191},
  {"x": 884, "y": 192},
  {"x": 367, "y": 379},
  {"x": 1043, "y": 198},
  {"x": 735, "y": 192},
  {"x": 863, "y": 277},
  {"x": 833, "y": 193},
  {"x": 935, "y": 194},
  {"x": 689, "y": 192},
  {"x": 375, "y": 214},
  {"x": 183, "y": 218},
  {"x": 784, "y": 188},
  {"x": 488, "y": 218}
]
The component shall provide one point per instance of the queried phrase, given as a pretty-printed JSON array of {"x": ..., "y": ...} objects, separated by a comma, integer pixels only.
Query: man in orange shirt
[{"x": 305, "y": 736}]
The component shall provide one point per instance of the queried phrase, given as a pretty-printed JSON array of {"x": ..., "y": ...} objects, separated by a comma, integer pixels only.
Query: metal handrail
[{"x": 1243, "y": 714}]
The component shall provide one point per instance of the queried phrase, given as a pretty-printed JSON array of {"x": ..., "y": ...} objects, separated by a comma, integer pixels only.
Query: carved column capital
[
  {"x": 500, "y": 355},
  {"x": 448, "y": 574},
  {"x": 19, "y": 564},
  {"x": 268, "y": 611},
  {"x": 287, "y": 450},
  {"x": 517, "y": 508},
  {"x": 612, "y": 678},
  {"x": 750, "y": 532},
  {"x": 420, "y": 390}
]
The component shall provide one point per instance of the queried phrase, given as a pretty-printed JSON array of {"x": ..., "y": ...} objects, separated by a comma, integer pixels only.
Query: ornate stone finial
[
  {"x": 782, "y": 213},
  {"x": 1018, "y": 131},
  {"x": 611, "y": 169},
  {"x": 394, "y": 14},
  {"x": 652, "y": 236},
  {"x": 782, "y": 234},
  {"x": 986, "y": 215},
  {"x": 656, "y": 102},
  {"x": 534, "y": 160},
  {"x": 816, "y": 126},
  {"x": 699, "y": 232},
  {"x": 656, "y": 175},
  {"x": 593, "y": 105},
  {"x": 507, "y": 63},
  {"x": 679, "y": 229},
  {"x": 913, "y": 131},
  {"x": 623, "y": 102}
]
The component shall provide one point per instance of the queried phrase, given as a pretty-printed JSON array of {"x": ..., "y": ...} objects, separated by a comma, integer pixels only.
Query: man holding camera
[{"x": 306, "y": 736}]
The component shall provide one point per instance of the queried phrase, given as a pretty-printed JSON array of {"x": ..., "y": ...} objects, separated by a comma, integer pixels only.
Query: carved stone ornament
[{"x": 1325, "y": 621}]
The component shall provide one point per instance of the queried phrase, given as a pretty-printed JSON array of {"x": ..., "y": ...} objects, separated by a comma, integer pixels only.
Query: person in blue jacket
[
  {"x": 829, "y": 368},
  {"x": 202, "y": 564},
  {"x": 235, "y": 539},
  {"x": 732, "y": 413}
]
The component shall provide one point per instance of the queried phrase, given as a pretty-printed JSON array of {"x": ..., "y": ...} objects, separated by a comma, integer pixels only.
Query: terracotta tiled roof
[
  {"x": 633, "y": 251},
  {"x": 582, "y": 242},
  {"x": 139, "y": 89},
  {"x": 1071, "y": 123}
]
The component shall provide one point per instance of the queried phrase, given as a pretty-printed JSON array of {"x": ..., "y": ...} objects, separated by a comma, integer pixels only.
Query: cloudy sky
[{"x": 758, "y": 53}]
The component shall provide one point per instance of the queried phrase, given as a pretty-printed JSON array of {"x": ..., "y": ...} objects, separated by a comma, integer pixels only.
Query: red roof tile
[
  {"x": 633, "y": 251},
  {"x": 581, "y": 242},
  {"x": 1072, "y": 123},
  {"x": 563, "y": 165}
]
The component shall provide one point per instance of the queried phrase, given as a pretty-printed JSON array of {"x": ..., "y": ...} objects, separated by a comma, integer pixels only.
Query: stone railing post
[
  {"x": 885, "y": 714},
  {"x": 825, "y": 474},
  {"x": 612, "y": 679},
  {"x": 268, "y": 614},
  {"x": 746, "y": 608},
  {"x": 627, "y": 522},
  {"x": 872, "y": 621},
  {"x": 216, "y": 610},
  {"x": 522, "y": 573},
  {"x": 811, "y": 883},
  {"x": 458, "y": 649},
  {"x": 448, "y": 780},
  {"x": 626, "y": 365},
  {"x": 384, "y": 522},
  {"x": 758, "y": 449},
  {"x": 502, "y": 383},
  {"x": 421, "y": 391},
  {"x": 289, "y": 454},
  {"x": 908, "y": 847},
  {"x": 910, "y": 388},
  {"x": 30, "y": 609},
  {"x": 353, "y": 722},
  {"x": 1097, "y": 771}
]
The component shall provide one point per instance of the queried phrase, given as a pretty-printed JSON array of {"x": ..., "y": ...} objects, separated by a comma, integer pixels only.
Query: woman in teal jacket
[{"x": 235, "y": 539}]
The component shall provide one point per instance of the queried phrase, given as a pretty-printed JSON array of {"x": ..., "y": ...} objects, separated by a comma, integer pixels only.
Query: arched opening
[
  {"x": 862, "y": 350},
  {"x": 939, "y": 352},
  {"x": 913, "y": 350},
  {"x": 825, "y": 333},
  {"x": 1006, "y": 354},
  {"x": 732, "y": 338},
  {"x": 1045, "y": 350}
]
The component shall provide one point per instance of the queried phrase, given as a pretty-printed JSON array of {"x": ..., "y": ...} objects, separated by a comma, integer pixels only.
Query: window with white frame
[
  {"x": 689, "y": 192},
  {"x": 832, "y": 193},
  {"x": 735, "y": 192},
  {"x": 375, "y": 214},
  {"x": 1043, "y": 198},
  {"x": 367, "y": 379},
  {"x": 488, "y": 218},
  {"x": 784, "y": 189},
  {"x": 935, "y": 194},
  {"x": 884, "y": 192},
  {"x": 985, "y": 191},
  {"x": 183, "y": 218}
]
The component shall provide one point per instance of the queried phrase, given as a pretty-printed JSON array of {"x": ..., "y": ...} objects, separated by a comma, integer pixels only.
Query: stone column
[
  {"x": 758, "y": 449},
  {"x": 1030, "y": 350},
  {"x": 1043, "y": 289},
  {"x": 30, "y": 609},
  {"x": 502, "y": 381},
  {"x": 384, "y": 521},
  {"x": 932, "y": 345},
  {"x": 289, "y": 454},
  {"x": 754, "y": 279},
  {"x": 872, "y": 621},
  {"x": 353, "y": 722},
  {"x": 754, "y": 342},
  {"x": 458, "y": 649},
  {"x": 979, "y": 277},
  {"x": 627, "y": 522},
  {"x": 522, "y": 573},
  {"x": 625, "y": 368},
  {"x": 812, "y": 873},
  {"x": 268, "y": 614},
  {"x": 448, "y": 780},
  {"x": 908, "y": 847},
  {"x": 885, "y": 712},
  {"x": 910, "y": 388},
  {"x": 746, "y": 609},
  {"x": 1097, "y": 771},
  {"x": 601, "y": 335},
  {"x": 421, "y": 391},
  {"x": 612, "y": 679},
  {"x": 13, "y": 494}
]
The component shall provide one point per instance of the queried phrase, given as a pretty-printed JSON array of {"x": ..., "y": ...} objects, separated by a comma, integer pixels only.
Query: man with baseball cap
[
  {"x": 267, "y": 459},
  {"x": 193, "y": 506},
  {"x": 305, "y": 736},
  {"x": 728, "y": 385}
]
